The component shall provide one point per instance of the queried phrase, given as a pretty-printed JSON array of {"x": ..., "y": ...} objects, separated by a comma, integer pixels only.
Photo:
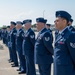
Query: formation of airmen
[{"x": 23, "y": 45}]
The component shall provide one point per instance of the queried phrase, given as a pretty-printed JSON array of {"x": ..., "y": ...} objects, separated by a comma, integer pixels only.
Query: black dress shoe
[
  {"x": 22, "y": 72},
  {"x": 14, "y": 65},
  {"x": 18, "y": 69},
  {"x": 10, "y": 61}
]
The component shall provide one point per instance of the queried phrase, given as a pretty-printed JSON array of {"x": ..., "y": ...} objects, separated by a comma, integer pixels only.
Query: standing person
[
  {"x": 29, "y": 42},
  {"x": 8, "y": 44},
  {"x": 48, "y": 27},
  {"x": 19, "y": 40},
  {"x": 0, "y": 34},
  {"x": 13, "y": 43},
  {"x": 70, "y": 27},
  {"x": 64, "y": 52},
  {"x": 43, "y": 48},
  {"x": 4, "y": 34}
]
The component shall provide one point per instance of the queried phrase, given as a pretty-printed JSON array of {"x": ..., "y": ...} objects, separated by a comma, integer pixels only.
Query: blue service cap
[
  {"x": 71, "y": 20},
  {"x": 63, "y": 14},
  {"x": 8, "y": 26},
  {"x": 12, "y": 23},
  {"x": 19, "y": 22},
  {"x": 27, "y": 21},
  {"x": 48, "y": 24},
  {"x": 41, "y": 20}
]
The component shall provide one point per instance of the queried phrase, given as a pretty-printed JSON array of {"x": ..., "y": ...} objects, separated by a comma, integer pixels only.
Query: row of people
[
  {"x": 40, "y": 50},
  {"x": 24, "y": 43}
]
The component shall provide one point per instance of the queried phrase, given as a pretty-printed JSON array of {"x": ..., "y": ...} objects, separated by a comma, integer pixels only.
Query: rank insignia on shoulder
[
  {"x": 47, "y": 38},
  {"x": 72, "y": 45},
  {"x": 32, "y": 36}
]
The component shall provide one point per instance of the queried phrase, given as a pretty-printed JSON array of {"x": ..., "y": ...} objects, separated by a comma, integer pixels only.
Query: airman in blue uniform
[
  {"x": 4, "y": 35},
  {"x": 70, "y": 27},
  {"x": 64, "y": 52},
  {"x": 13, "y": 43},
  {"x": 0, "y": 34},
  {"x": 48, "y": 27},
  {"x": 43, "y": 48},
  {"x": 29, "y": 42},
  {"x": 19, "y": 41},
  {"x": 8, "y": 42}
]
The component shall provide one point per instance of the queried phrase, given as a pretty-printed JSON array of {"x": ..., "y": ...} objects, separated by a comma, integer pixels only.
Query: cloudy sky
[{"x": 19, "y": 10}]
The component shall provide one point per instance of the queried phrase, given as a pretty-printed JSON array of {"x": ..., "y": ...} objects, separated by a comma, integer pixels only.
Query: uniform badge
[
  {"x": 72, "y": 45},
  {"x": 47, "y": 38},
  {"x": 61, "y": 42},
  {"x": 14, "y": 33},
  {"x": 32, "y": 36},
  {"x": 61, "y": 39}
]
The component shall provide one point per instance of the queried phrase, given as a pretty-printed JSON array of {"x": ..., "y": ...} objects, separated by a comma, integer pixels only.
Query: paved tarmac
[{"x": 5, "y": 66}]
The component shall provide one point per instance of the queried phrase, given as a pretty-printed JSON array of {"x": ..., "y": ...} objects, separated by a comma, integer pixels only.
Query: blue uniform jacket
[
  {"x": 44, "y": 48},
  {"x": 8, "y": 39},
  {"x": 13, "y": 38},
  {"x": 51, "y": 33},
  {"x": 19, "y": 40},
  {"x": 64, "y": 54},
  {"x": 29, "y": 41}
]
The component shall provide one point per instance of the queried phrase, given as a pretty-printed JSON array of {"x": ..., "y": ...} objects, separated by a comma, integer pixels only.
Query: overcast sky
[{"x": 19, "y": 10}]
